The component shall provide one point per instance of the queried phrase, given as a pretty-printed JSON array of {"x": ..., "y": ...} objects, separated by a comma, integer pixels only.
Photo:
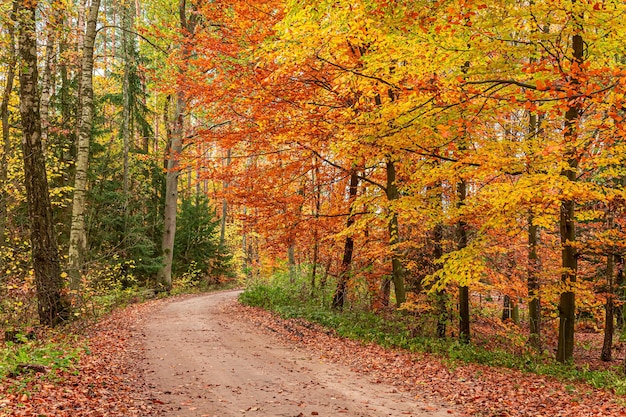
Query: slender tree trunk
[
  {"x": 609, "y": 306},
  {"x": 52, "y": 307},
  {"x": 4, "y": 119},
  {"x": 567, "y": 303},
  {"x": 164, "y": 275},
  {"x": 324, "y": 278},
  {"x": 224, "y": 205},
  {"x": 394, "y": 236},
  {"x": 344, "y": 270},
  {"x": 532, "y": 282},
  {"x": 127, "y": 24},
  {"x": 619, "y": 290},
  {"x": 316, "y": 214},
  {"x": 507, "y": 308},
  {"x": 78, "y": 240},
  {"x": 79, "y": 49},
  {"x": 441, "y": 295},
  {"x": 534, "y": 301},
  {"x": 66, "y": 108},
  {"x": 464, "y": 310},
  {"x": 48, "y": 75},
  {"x": 291, "y": 255}
]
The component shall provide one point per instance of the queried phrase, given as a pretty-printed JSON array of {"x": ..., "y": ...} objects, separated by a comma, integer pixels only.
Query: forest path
[{"x": 202, "y": 361}]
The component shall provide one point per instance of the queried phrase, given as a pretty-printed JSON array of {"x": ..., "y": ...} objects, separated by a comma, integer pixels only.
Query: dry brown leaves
[
  {"x": 471, "y": 389},
  {"x": 107, "y": 382}
]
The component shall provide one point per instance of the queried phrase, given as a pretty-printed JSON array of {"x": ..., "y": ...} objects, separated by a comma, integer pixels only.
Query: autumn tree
[
  {"x": 52, "y": 306},
  {"x": 188, "y": 22}
]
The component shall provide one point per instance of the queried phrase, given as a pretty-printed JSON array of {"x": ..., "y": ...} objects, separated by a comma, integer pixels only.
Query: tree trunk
[
  {"x": 507, "y": 308},
  {"x": 619, "y": 289},
  {"x": 316, "y": 213},
  {"x": 127, "y": 24},
  {"x": 4, "y": 119},
  {"x": 464, "y": 310},
  {"x": 224, "y": 205},
  {"x": 291, "y": 255},
  {"x": 609, "y": 306},
  {"x": 567, "y": 222},
  {"x": 344, "y": 271},
  {"x": 534, "y": 302},
  {"x": 164, "y": 275},
  {"x": 441, "y": 295},
  {"x": 532, "y": 282},
  {"x": 397, "y": 275},
  {"x": 52, "y": 307},
  {"x": 48, "y": 75},
  {"x": 78, "y": 240}
]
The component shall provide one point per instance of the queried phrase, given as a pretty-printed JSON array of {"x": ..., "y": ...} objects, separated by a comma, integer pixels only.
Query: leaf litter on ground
[
  {"x": 106, "y": 381},
  {"x": 470, "y": 389},
  {"x": 109, "y": 381}
]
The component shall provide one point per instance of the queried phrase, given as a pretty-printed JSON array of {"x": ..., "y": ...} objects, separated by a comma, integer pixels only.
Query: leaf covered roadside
[
  {"x": 106, "y": 381},
  {"x": 472, "y": 389}
]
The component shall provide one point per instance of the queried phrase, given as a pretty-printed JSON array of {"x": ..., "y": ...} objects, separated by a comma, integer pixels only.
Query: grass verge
[{"x": 394, "y": 329}]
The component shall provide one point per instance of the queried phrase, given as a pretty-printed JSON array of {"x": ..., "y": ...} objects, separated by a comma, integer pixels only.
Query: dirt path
[{"x": 199, "y": 361}]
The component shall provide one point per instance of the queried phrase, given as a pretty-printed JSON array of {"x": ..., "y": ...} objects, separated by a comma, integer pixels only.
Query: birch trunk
[
  {"x": 4, "y": 118},
  {"x": 78, "y": 241},
  {"x": 48, "y": 76}
]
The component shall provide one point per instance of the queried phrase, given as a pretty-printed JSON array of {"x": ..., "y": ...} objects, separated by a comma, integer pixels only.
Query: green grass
[
  {"x": 62, "y": 354},
  {"x": 293, "y": 300}
]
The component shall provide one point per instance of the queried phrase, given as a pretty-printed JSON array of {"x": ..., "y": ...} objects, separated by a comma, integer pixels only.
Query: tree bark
[
  {"x": 316, "y": 246},
  {"x": 507, "y": 308},
  {"x": 609, "y": 306},
  {"x": 344, "y": 271},
  {"x": 164, "y": 276},
  {"x": 534, "y": 301},
  {"x": 51, "y": 306},
  {"x": 4, "y": 119},
  {"x": 126, "y": 110},
  {"x": 441, "y": 295},
  {"x": 291, "y": 256},
  {"x": 567, "y": 222},
  {"x": 224, "y": 204},
  {"x": 48, "y": 75},
  {"x": 464, "y": 310},
  {"x": 397, "y": 275},
  {"x": 78, "y": 240}
]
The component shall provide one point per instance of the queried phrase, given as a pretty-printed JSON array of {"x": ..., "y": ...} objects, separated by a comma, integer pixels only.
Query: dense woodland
[{"x": 419, "y": 155}]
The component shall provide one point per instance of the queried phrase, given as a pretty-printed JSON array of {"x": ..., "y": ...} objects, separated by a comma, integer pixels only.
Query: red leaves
[
  {"x": 474, "y": 389},
  {"x": 108, "y": 381}
]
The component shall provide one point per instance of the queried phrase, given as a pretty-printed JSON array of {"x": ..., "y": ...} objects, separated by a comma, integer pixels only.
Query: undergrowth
[
  {"x": 292, "y": 299},
  {"x": 23, "y": 357}
]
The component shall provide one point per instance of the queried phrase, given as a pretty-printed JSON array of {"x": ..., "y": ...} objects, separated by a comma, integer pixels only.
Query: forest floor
[{"x": 209, "y": 356}]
